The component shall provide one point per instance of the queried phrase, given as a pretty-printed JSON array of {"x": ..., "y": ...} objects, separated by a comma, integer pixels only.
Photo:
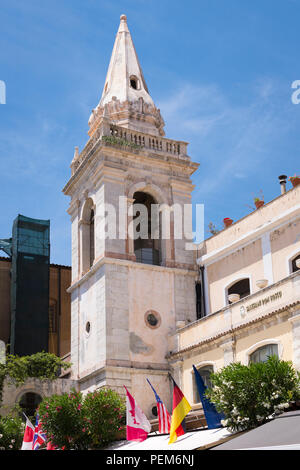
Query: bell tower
[{"x": 128, "y": 293}]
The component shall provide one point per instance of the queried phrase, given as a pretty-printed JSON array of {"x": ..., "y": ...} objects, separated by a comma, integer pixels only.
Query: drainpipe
[
  {"x": 201, "y": 271},
  {"x": 282, "y": 180}
]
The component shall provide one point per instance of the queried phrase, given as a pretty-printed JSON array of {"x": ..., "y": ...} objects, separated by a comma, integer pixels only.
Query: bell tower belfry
[{"x": 128, "y": 293}]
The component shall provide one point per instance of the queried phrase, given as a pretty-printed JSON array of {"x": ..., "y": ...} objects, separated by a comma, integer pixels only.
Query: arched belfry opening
[
  {"x": 88, "y": 235},
  {"x": 146, "y": 220}
]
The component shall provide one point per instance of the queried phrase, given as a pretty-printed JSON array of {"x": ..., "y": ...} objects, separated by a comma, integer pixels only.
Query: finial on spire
[
  {"x": 74, "y": 162},
  {"x": 76, "y": 153}
]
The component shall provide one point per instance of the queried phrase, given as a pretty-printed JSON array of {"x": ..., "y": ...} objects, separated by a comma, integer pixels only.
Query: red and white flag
[
  {"x": 164, "y": 418},
  {"x": 137, "y": 425},
  {"x": 28, "y": 436}
]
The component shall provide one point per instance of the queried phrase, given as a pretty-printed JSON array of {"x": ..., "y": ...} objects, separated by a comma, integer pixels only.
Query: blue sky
[{"x": 220, "y": 71}]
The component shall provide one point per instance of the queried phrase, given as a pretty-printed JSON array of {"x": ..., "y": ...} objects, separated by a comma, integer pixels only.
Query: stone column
[
  {"x": 267, "y": 257},
  {"x": 229, "y": 351},
  {"x": 84, "y": 246},
  {"x": 130, "y": 235},
  {"x": 177, "y": 372}
]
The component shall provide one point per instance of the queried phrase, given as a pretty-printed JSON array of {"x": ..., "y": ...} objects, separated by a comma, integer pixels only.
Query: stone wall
[{"x": 45, "y": 388}]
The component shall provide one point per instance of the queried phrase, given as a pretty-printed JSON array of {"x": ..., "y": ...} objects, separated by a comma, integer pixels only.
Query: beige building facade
[{"x": 251, "y": 284}]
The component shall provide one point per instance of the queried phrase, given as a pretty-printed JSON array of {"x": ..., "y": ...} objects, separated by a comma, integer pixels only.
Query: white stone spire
[
  {"x": 124, "y": 66},
  {"x": 125, "y": 99}
]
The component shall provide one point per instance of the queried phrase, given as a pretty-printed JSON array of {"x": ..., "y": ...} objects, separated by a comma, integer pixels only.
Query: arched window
[
  {"x": 87, "y": 225},
  {"x": 294, "y": 262},
  {"x": 146, "y": 222},
  {"x": 29, "y": 403},
  {"x": 134, "y": 82},
  {"x": 205, "y": 373},
  {"x": 263, "y": 353},
  {"x": 241, "y": 287}
]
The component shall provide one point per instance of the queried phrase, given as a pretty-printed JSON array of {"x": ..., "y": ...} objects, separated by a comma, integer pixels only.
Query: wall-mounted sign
[{"x": 264, "y": 301}]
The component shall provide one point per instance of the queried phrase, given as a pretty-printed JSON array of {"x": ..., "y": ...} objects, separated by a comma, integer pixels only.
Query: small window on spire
[{"x": 134, "y": 82}]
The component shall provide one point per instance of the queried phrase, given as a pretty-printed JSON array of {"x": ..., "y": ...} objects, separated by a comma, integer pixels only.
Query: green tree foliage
[
  {"x": 72, "y": 421},
  {"x": 11, "y": 432},
  {"x": 250, "y": 395},
  {"x": 40, "y": 365}
]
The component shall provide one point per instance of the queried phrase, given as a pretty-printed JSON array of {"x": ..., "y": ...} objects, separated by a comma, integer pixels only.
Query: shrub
[
  {"x": 11, "y": 433},
  {"x": 105, "y": 412},
  {"x": 250, "y": 395},
  {"x": 40, "y": 365},
  {"x": 76, "y": 422},
  {"x": 113, "y": 140},
  {"x": 63, "y": 422}
]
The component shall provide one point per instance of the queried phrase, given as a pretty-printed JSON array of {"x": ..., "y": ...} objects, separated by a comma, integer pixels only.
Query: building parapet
[{"x": 272, "y": 215}]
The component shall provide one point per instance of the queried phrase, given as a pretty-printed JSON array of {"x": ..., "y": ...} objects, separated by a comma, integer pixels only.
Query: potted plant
[
  {"x": 212, "y": 229},
  {"x": 295, "y": 180},
  {"x": 259, "y": 201},
  {"x": 227, "y": 222}
]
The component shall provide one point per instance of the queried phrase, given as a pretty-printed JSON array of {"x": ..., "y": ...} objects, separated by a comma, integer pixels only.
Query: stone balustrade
[
  {"x": 161, "y": 145},
  {"x": 147, "y": 141}
]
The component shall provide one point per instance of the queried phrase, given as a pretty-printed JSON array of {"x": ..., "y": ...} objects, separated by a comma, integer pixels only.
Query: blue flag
[{"x": 213, "y": 418}]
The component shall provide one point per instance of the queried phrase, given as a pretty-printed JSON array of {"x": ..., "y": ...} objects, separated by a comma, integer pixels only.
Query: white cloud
[{"x": 230, "y": 136}]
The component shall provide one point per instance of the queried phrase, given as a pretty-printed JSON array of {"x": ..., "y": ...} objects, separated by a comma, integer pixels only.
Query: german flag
[{"x": 181, "y": 407}]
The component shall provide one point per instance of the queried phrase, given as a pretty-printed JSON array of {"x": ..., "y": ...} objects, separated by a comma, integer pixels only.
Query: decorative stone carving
[{"x": 117, "y": 112}]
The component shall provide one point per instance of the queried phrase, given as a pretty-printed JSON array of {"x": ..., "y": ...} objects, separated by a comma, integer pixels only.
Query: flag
[
  {"x": 181, "y": 407},
  {"x": 39, "y": 437},
  {"x": 164, "y": 419},
  {"x": 137, "y": 425},
  {"x": 213, "y": 418},
  {"x": 28, "y": 435},
  {"x": 50, "y": 446}
]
